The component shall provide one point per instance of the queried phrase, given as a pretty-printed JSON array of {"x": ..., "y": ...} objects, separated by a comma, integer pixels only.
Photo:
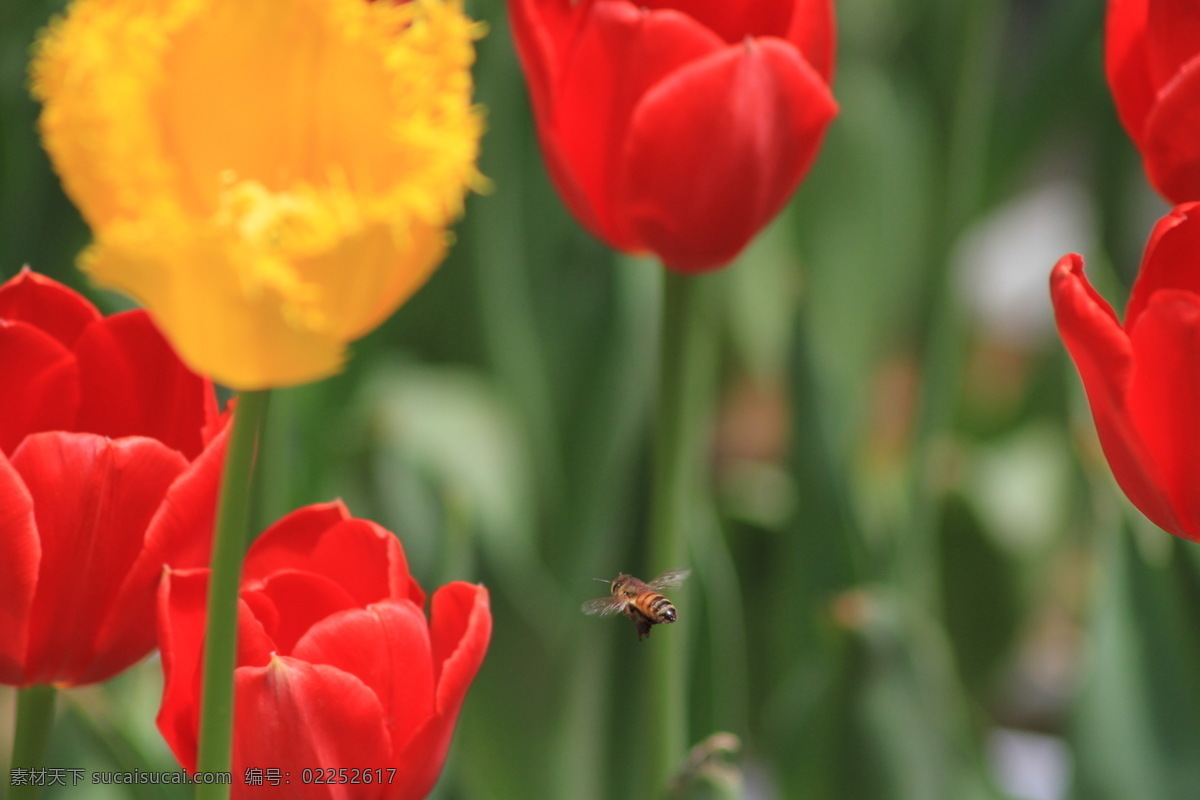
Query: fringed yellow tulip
[{"x": 270, "y": 179}]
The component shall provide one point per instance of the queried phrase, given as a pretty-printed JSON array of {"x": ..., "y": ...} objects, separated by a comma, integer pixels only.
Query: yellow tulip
[{"x": 271, "y": 179}]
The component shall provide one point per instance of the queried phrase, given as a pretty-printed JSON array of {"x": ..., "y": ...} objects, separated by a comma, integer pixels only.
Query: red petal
[
  {"x": 301, "y": 600},
  {"x": 254, "y": 646},
  {"x": 47, "y": 305},
  {"x": 20, "y": 553},
  {"x": 541, "y": 30},
  {"x": 716, "y": 150},
  {"x": 460, "y": 631},
  {"x": 182, "y": 610},
  {"x": 1172, "y": 37},
  {"x": 1104, "y": 357},
  {"x": 814, "y": 32},
  {"x": 619, "y": 54},
  {"x": 1127, "y": 64},
  {"x": 132, "y": 383},
  {"x": 291, "y": 537},
  {"x": 1170, "y": 149},
  {"x": 734, "y": 21},
  {"x": 387, "y": 647},
  {"x": 357, "y": 554},
  {"x": 41, "y": 384},
  {"x": 297, "y": 716},
  {"x": 1169, "y": 261},
  {"x": 1164, "y": 396},
  {"x": 182, "y": 613},
  {"x": 93, "y": 500},
  {"x": 179, "y": 536}
]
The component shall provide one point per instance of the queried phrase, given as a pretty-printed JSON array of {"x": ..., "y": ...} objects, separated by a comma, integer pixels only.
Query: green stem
[
  {"x": 35, "y": 717},
  {"x": 229, "y": 548},
  {"x": 682, "y": 429}
]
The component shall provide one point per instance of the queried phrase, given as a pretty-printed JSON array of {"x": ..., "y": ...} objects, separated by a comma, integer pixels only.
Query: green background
[{"x": 913, "y": 554}]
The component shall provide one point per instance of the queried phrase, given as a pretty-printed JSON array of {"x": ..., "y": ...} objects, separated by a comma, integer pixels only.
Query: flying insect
[{"x": 639, "y": 600}]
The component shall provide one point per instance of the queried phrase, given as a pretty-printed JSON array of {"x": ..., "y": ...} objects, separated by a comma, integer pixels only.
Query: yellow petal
[{"x": 271, "y": 179}]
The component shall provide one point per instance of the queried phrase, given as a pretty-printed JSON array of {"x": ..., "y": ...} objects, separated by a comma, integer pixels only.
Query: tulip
[
  {"x": 270, "y": 180},
  {"x": 1143, "y": 378},
  {"x": 1152, "y": 59},
  {"x": 109, "y": 464},
  {"x": 677, "y": 127},
  {"x": 337, "y": 665}
]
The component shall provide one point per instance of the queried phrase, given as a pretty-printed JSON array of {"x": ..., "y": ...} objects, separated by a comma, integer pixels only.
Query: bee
[{"x": 638, "y": 600}]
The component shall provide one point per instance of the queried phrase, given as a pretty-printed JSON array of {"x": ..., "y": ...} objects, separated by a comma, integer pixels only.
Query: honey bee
[{"x": 638, "y": 600}]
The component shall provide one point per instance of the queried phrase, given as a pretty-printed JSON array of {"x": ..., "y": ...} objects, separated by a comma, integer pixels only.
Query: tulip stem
[
  {"x": 682, "y": 428},
  {"x": 229, "y": 548},
  {"x": 35, "y": 717}
]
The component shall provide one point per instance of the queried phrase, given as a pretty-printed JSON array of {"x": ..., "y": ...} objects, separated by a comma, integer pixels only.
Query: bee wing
[
  {"x": 604, "y": 606},
  {"x": 672, "y": 577}
]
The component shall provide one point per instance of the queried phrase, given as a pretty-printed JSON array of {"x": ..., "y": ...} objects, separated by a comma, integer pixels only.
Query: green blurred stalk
[
  {"x": 682, "y": 427},
  {"x": 229, "y": 548},
  {"x": 607, "y": 451},
  {"x": 946, "y": 336},
  {"x": 514, "y": 345},
  {"x": 35, "y": 717},
  {"x": 606, "y": 457},
  {"x": 113, "y": 742}
]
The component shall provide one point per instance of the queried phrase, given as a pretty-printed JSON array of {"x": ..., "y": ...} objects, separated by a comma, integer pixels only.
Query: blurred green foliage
[{"x": 913, "y": 555}]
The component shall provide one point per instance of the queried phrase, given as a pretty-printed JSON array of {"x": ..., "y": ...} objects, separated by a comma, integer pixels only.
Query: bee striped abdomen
[
  {"x": 638, "y": 601},
  {"x": 656, "y": 607}
]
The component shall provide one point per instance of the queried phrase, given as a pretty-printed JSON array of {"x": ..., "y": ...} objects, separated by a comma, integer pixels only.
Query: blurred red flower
[
  {"x": 1152, "y": 58},
  {"x": 679, "y": 127},
  {"x": 109, "y": 465},
  {"x": 337, "y": 665},
  {"x": 1143, "y": 379}
]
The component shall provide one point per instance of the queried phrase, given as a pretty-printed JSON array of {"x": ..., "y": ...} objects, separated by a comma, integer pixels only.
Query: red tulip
[
  {"x": 105, "y": 477},
  {"x": 1152, "y": 58},
  {"x": 337, "y": 665},
  {"x": 678, "y": 127},
  {"x": 1143, "y": 379}
]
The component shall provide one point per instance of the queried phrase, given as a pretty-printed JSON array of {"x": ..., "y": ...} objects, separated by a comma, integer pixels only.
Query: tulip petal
[
  {"x": 1104, "y": 357},
  {"x": 460, "y": 629},
  {"x": 182, "y": 611},
  {"x": 93, "y": 499},
  {"x": 1164, "y": 396},
  {"x": 300, "y": 599},
  {"x": 41, "y": 383},
  {"x": 619, "y": 53},
  {"x": 178, "y": 537},
  {"x": 814, "y": 32},
  {"x": 1127, "y": 64},
  {"x": 733, "y": 22},
  {"x": 281, "y": 118},
  {"x": 262, "y": 212},
  {"x": 20, "y": 554},
  {"x": 387, "y": 647},
  {"x": 1170, "y": 149},
  {"x": 696, "y": 200},
  {"x": 47, "y": 305},
  {"x": 194, "y": 283},
  {"x": 132, "y": 383},
  {"x": 1172, "y": 37},
  {"x": 321, "y": 540},
  {"x": 1169, "y": 261},
  {"x": 539, "y": 28},
  {"x": 356, "y": 307},
  {"x": 298, "y": 716}
]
